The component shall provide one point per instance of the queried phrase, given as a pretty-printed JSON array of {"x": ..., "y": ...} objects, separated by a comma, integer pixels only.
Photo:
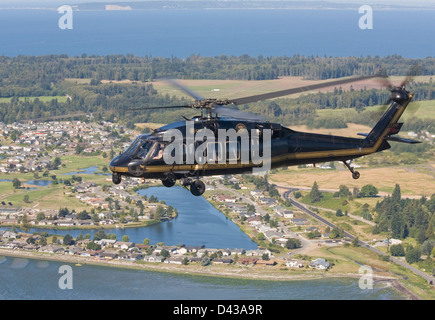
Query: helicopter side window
[
  {"x": 216, "y": 153},
  {"x": 188, "y": 149},
  {"x": 233, "y": 151}
]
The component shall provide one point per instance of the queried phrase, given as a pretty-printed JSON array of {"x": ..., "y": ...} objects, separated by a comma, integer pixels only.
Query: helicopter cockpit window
[
  {"x": 133, "y": 146},
  {"x": 143, "y": 150}
]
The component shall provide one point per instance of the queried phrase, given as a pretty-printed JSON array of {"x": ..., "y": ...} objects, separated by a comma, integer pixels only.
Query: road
[{"x": 286, "y": 195}]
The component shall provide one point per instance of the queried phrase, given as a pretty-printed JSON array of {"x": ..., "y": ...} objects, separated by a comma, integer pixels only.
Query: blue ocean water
[
  {"x": 22, "y": 279},
  {"x": 181, "y": 33}
]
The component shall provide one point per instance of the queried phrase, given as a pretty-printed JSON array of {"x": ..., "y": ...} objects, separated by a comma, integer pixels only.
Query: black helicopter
[{"x": 145, "y": 156}]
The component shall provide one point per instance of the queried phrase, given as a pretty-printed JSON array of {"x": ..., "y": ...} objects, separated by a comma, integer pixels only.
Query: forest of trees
[
  {"x": 28, "y": 71},
  {"x": 406, "y": 217}
]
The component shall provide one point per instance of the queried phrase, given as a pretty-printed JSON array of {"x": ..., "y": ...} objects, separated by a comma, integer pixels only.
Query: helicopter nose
[
  {"x": 114, "y": 163},
  {"x": 119, "y": 162}
]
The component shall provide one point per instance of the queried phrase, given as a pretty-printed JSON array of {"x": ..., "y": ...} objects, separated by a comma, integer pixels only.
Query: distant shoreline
[
  {"x": 220, "y": 271},
  {"x": 235, "y": 8}
]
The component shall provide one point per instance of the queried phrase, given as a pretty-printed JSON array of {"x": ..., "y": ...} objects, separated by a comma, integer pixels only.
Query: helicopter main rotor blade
[
  {"x": 286, "y": 92},
  {"x": 233, "y": 113},
  {"x": 154, "y": 108},
  {"x": 414, "y": 71},
  {"x": 183, "y": 88}
]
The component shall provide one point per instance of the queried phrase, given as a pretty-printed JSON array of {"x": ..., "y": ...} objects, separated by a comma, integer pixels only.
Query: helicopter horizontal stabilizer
[{"x": 397, "y": 139}]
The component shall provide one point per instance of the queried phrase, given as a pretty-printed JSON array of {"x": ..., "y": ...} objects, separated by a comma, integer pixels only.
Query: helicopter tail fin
[{"x": 388, "y": 124}]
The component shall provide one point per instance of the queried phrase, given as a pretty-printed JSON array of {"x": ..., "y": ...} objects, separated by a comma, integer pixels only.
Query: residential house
[
  {"x": 209, "y": 251},
  {"x": 74, "y": 250},
  {"x": 262, "y": 262},
  {"x": 174, "y": 260},
  {"x": 108, "y": 255},
  {"x": 299, "y": 221},
  {"x": 105, "y": 242},
  {"x": 270, "y": 202},
  {"x": 226, "y": 253},
  {"x": 320, "y": 264},
  {"x": 65, "y": 223},
  {"x": 153, "y": 258},
  {"x": 9, "y": 235},
  {"x": 136, "y": 256},
  {"x": 223, "y": 261},
  {"x": 237, "y": 251},
  {"x": 247, "y": 260},
  {"x": 51, "y": 249},
  {"x": 258, "y": 252},
  {"x": 270, "y": 235},
  {"x": 257, "y": 193},
  {"x": 294, "y": 263},
  {"x": 122, "y": 245}
]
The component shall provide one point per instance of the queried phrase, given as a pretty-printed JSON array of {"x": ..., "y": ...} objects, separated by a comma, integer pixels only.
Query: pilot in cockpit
[{"x": 158, "y": 153}]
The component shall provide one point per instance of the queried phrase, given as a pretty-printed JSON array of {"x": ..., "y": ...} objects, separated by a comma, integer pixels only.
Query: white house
[{"x": 320, "y": 264}]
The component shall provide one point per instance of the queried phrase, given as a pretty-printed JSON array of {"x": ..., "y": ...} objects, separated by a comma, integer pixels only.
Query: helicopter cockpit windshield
[
  {"x": 146, "y": 149},
  {"x": 143, "y": 149}
]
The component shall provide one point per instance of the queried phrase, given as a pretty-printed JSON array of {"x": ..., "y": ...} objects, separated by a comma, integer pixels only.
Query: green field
[
  {"x": 41, "y": 98},
  {"x": 53, "y": 196},
  {"x": 419, "y": 109}
]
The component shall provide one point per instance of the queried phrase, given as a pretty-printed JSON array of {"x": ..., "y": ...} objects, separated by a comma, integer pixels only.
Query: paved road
[{"x": 302, "y": 207}]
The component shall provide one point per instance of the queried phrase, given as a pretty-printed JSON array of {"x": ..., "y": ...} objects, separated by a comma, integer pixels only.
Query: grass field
[
  {"x": 53, "y": 196},
  {"x": 410, "y": 179},
  {"x": 239, "y": 88},
  {"x": 41, "y": 98},
  {"x": 418, "y": 109}
]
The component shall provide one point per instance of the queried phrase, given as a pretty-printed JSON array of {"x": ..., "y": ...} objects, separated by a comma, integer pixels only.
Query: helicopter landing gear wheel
[
  {"x": 355, "y": 174},
  {"x": 116, "y": 178},
  {"x": 197, "y": 188},
  {"x": 168, "y": 182}
]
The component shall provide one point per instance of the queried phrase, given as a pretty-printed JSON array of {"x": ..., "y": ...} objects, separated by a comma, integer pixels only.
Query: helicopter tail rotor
[{"x": 395, "y": 91}]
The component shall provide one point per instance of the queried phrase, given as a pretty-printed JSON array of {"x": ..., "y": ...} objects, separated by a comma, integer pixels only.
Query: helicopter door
[{"x": 188, "y": 153}]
